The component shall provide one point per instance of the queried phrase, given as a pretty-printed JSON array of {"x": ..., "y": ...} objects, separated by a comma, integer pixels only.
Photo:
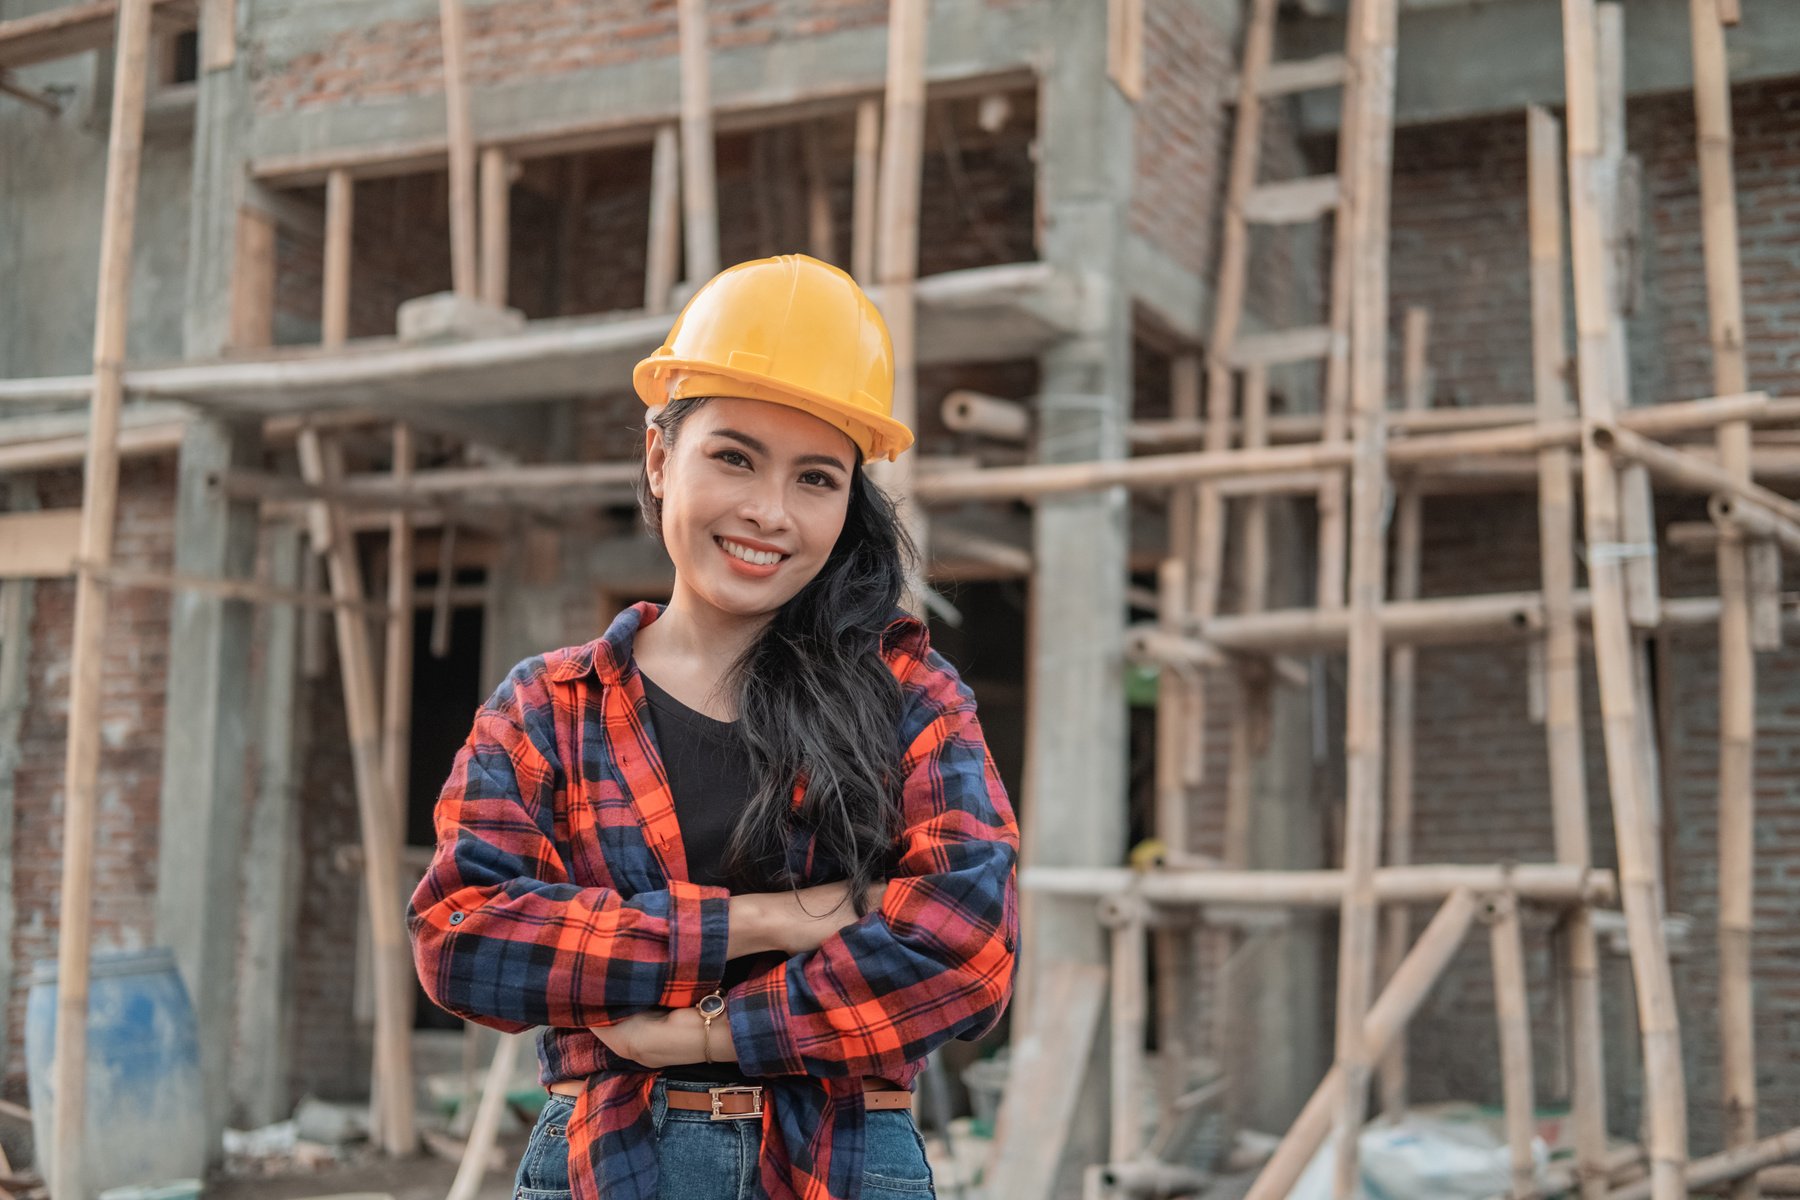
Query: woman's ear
[{"x": 655, "y": 457}]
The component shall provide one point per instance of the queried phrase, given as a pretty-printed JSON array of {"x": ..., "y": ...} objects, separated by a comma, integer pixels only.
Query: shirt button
[{"x": 456, "y": 918}]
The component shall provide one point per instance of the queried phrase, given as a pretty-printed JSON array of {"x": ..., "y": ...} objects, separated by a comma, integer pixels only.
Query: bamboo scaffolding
[
  {"x": 1125, "y": 915},
  {"x": 897, "y": 243},
  {"x": 1589, "y": 186},
  {"x": 99, "y": 508},
  {"x": 463, "y": 265},
  {"x": 1422, "y": 883},
  {"x": 1562, "y": 651},
  {"x": 496, "y": 224},
  {"x": 1402, "y": 697},
  {"x": 864, "y": 186},
  {"x": 1405, "y": 991},
  {"x": 1736, "y": 1163},
  {"x": 1512, "y": 1013},
  {"x": 663, "y": 253},
  {"x": 699, "y": 187},
  {"x": 1737, "y": 656}
]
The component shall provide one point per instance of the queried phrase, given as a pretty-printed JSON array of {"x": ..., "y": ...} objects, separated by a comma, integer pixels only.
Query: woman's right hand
[{"x": 797, "y": 921}]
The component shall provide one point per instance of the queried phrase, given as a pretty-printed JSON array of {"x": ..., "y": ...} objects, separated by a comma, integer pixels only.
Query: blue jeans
[{"x": 699, "y": 1158}]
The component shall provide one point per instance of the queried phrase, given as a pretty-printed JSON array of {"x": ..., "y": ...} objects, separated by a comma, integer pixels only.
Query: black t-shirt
[{"x": 708, "y": 768}]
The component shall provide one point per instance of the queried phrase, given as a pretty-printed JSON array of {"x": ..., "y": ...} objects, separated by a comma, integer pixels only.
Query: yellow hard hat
[{"x": 792, "y": 330}]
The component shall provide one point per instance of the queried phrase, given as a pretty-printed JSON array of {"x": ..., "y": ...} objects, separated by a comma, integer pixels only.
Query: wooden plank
[
  {"x": 39, "y": 545},
  {"x": 1038, "y": 1108},
  {"x": 1282, "y": 346},
  {"x": 1600, "y": 396},
  {"x": 99, "y": 507},
  {"x": 1292, "y": 201},
  {"x": 1562, "y": 650},
  {"x": 699, "y": 189}
]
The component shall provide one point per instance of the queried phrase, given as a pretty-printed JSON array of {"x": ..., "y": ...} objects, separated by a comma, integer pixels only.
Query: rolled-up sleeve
[
  {"x": 502, "y": 937},
  {"x": 936, "y": 960}
]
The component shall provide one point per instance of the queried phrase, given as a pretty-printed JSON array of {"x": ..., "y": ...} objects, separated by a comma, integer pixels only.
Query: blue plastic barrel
[{"x": 146, "y": 1118}]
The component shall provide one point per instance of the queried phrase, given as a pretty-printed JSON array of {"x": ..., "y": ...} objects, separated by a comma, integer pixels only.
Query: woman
[{"x": 647, "y": 842}]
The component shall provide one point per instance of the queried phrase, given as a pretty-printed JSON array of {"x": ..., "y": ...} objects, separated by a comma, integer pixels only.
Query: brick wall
[{"x": 131, "y": 715}]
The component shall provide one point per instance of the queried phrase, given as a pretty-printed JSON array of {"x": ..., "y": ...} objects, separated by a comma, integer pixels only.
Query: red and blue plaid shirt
[{"x": 558, "y": 896}]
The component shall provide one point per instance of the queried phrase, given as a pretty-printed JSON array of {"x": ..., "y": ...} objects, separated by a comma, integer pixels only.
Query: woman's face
[{"x": 753, "y": 499}]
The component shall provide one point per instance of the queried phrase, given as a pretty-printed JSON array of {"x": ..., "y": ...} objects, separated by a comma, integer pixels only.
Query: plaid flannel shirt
[{"x": 558, "y": 896}]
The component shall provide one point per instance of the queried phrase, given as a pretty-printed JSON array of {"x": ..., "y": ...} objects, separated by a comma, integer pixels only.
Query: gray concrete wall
[{"x": 50, "y": 198}]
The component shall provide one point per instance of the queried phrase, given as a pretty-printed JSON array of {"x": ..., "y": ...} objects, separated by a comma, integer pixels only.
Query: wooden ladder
[{"x": 1230, "y": 350}]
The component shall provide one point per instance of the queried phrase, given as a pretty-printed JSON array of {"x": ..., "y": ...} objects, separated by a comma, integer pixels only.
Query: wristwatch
[{"x": 710, "y": 1006}]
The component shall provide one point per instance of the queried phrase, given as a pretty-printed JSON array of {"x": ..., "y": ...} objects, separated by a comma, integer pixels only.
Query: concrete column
[
  {"x": 205, "y": 739},
  {"x": 1075, "y": 804}
]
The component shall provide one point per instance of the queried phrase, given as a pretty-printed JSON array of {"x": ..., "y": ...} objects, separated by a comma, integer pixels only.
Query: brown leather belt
[{"x": 734, "y": 1101}]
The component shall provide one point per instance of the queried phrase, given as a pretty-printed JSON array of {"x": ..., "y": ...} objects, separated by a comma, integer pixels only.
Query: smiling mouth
[{"x": 743, "y": 553}]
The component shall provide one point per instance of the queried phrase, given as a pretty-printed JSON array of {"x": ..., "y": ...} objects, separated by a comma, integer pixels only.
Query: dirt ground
[{"x": 424, "y": 1177}]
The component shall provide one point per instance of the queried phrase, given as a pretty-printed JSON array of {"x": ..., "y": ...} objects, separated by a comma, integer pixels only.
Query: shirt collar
[{"x": 607, "y": 655}]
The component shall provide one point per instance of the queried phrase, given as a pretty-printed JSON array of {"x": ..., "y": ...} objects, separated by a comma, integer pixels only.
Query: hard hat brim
[{"x": 658, "y": 380}]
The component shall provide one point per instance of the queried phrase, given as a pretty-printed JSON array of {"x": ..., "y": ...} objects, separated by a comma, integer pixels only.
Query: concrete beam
[
  {"x": 966, "y": 39},
  {"x": 1440, "y": 79}
]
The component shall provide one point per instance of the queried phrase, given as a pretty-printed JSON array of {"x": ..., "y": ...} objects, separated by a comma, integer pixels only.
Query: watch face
[{"x": 711, "y": 1006}]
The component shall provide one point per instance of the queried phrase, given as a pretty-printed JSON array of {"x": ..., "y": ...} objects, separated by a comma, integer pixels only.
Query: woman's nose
[{"x": 765, "y": 504}]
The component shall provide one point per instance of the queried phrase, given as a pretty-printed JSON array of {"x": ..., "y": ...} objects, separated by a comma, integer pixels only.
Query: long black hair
[{"x": 815, "y": 701}]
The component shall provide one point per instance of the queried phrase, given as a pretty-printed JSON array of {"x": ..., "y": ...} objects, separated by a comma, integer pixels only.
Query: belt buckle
[{"x": 720, "y": 1115}]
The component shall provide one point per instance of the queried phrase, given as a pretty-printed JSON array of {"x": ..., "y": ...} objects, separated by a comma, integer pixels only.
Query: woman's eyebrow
[{"x": 756, "y": 445}]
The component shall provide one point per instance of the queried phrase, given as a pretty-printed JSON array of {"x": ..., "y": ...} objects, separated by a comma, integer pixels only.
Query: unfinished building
[{"x": 1325, "y": 603}]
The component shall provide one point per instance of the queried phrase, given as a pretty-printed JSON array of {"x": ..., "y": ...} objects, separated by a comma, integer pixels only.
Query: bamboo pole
[
  {"x": 1635, "y": 508},
  {"x": 1513, "y": 1015},
  {"x": 1681, "y": 468},
  {"x": 99, "y": 508},
  {"x": 1371, "y": 95},
  {"x": 463, "y": 266},
  {"x": 340, "y": 216},
  {"x": 1735, "y": 1163},
  {"x": 1125, "y": 916},
  {"x": 496, "y": 224},
  {"x": 1399, "y": 1000},
  {"x": 975, "y": 412},
  {"x": 1562, "y": 651},
  {"x": 864, "y": 190},
  {"x": 397, "y": 675},
  {"x": 320, "y": 461},
  {"x": 488, "y": 1111},
  {"x": 699, "y": 188},
  {"x": 1749, "y": 519},
  {"x": 1589, "y": 186},
  {"x": 1172, "y": 725},
  {"x": 1402, "y": 695},
  {"x": 897, "y": 245},
  {"x": 1421, "y": 883},
  {"x": 1228, "y": 305},
  {"x": 821, "y": 238},
  {"x": 1737, "y": 656},
  {"x": 663, "y": 254},
  {"x": 230, "y": 589}
]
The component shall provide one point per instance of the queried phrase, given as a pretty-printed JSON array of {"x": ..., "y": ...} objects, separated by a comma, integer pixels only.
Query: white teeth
[{"x": 761, "y": 558}]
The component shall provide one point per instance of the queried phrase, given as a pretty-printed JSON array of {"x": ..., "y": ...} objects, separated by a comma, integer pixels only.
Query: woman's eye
[
  {"x": 818, "y": 479},
  {"x": 736, "y": 458}
]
